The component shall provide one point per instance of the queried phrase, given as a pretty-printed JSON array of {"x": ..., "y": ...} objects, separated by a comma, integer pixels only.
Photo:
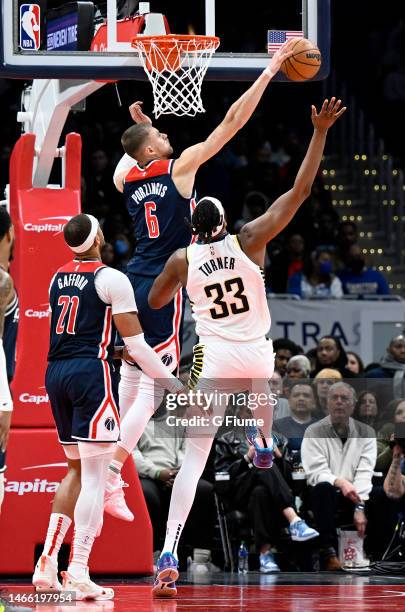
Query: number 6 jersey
[
  {"x": 83, "y": 297},
  {"x": 226, "y": 291}
]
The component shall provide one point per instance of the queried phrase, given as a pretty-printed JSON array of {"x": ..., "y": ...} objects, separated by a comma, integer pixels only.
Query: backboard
[{"x": 56, "y": 39}]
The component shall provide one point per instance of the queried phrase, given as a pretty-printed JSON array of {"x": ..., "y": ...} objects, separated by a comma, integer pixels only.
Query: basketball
[{"x": 305, "y": 61}]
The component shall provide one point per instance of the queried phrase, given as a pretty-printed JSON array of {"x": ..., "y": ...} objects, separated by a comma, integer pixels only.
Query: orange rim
[{"x": 164, "y": 40}]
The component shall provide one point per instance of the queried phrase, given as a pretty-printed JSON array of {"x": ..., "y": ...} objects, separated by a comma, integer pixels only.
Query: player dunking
[
  {"x": 160, "y": 194},
  {"x": 88, "y": 301},
  {"x": 8, "y": 333},
  {"x": 222, "y": 276}
]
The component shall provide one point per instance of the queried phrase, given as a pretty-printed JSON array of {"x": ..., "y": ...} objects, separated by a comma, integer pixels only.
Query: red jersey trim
[
  {"x": 156, "y": 167},
  {"x": 81, "y": 267}
]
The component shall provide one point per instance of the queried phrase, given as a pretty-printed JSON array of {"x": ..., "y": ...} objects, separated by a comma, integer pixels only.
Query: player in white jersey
[{"x": 222, "y": 274}]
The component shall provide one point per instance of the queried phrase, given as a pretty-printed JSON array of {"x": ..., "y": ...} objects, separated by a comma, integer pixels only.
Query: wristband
[
  {"x": 360, "y": 507},
  {"x": 268, "y": 72}
]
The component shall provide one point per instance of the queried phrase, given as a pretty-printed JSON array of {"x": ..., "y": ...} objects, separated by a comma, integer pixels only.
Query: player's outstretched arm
[
  {"x": 236, "y": 117},
  {"x": 257, "y": 233},
  {"x": 170, "y": 280},
  {"x": 6, "y": 403}
]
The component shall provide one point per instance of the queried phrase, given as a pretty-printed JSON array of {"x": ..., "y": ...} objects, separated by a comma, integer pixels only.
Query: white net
[{"x": 176, "y": 66}]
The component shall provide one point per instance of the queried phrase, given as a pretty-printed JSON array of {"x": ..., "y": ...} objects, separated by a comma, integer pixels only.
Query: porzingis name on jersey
[
  {"x": 148, "y": 189},
  {"x": 72, "y": 280},
  {"x": 219, "y": 263}
]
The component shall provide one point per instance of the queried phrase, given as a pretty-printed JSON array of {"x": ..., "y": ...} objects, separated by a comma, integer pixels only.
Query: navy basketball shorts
[
  {"x": 163, "y": 328},
  {"x": 2, "y": 461},
  {"x": 84, "y": 399}
]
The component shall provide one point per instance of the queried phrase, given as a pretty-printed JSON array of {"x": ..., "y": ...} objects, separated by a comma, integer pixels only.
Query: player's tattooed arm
[
  {"x": 6, "y": 290},
  {"x": 393, "y": 483}
]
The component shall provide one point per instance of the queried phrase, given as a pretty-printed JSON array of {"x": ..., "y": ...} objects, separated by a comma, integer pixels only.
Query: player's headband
[
  {"x": 88, "y": 243},
  {"x": 218, "y": 229}
]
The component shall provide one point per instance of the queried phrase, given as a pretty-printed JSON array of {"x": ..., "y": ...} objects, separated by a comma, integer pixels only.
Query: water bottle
[{"x": 243, "y": 559}]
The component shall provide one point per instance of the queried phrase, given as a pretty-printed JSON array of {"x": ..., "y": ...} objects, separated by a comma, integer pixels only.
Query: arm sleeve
[
  {"x": 114, "y": 288},
  {"x": 365, "y": 469},
  {"x": 126, "y": 163},
  {"x": 6, "y": 403},
  {"x": 314, "y": 461}
]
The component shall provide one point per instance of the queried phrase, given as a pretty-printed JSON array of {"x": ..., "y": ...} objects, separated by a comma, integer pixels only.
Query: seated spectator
[
  {"x": 158, "y": 457},
  {"x": 281, "y": 408},
  {"x": 366, "y": 408},
  {"x": 338, "y": 455},
  {"x": 284, "y": 349},
  {"x": 286, "y": 262},
  {"x": 316, "y": 279},
  {"x": 263, "y": 494},
  {"x": 354, "y": 363},
  {"x": 331, "y": 354},
  {"x": 359, "y": 280},
  {"x": 347, "y": 235},
  {"x": 393, "y": 415},
  {"x": 298, "y": 366},
  {"x": 303, "y": 406},
  {"x": 392, "y": 366},
  {"x": 322, "y": 381}
]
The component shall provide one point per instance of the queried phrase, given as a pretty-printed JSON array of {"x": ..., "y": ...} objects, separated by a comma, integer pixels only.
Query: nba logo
[{"x": 30, "y": 27}]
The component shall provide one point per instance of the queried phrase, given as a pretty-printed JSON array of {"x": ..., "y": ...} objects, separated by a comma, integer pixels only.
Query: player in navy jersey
[
  {"x": 160, "y": 193},
  {"x": 88, "y": 301},
  {"x": 8, "y": 305}
]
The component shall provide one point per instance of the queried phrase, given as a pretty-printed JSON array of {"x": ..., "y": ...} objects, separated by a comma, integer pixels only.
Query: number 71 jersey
[
  {"x": 81, "y": 323},
  {"x": 227, "y": 291}
]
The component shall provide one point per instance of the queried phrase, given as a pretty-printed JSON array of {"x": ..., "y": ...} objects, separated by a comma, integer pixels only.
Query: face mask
[
  {"x": 325, "y": 268},
  {"x": 121, "y": 247},
  {"x": 356, "y": 265}
]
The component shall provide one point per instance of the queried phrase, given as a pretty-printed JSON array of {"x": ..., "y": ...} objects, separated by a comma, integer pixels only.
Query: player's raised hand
[
  {"x": 329, "y": 113},
  {"x": 137, "y": 114},
  {"x": 285, "y": 51}
]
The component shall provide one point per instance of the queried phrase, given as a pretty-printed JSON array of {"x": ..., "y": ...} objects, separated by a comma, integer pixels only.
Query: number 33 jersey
[
  {"x": 83, "y": 298},
  {"x": 226, "y": 291},
  {"x": 157, "y": 211}
]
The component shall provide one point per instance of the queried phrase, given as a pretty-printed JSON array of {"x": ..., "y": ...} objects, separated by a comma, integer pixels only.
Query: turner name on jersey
[{"x": 226, "y": 291}]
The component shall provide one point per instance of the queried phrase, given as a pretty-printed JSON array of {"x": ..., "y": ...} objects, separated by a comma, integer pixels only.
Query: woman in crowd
[
  {"x": 354, "y": 363},
  {"x": 366, "y": 408},
  {"x": 331, "y": 354},
  {"x": 316, "y": 279}
]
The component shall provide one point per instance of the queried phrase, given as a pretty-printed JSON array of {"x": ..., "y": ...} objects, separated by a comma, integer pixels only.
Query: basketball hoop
[{"x": 175, "y": 66}]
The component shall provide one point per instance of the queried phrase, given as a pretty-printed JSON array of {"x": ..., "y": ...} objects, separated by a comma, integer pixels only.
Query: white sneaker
[
  {"x": 45, "y": 576},
  {"x": 114, "y": 501},
  {"x": 85, "y": 588}
]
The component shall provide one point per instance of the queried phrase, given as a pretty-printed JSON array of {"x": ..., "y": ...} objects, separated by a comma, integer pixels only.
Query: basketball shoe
[
  {"x": 167, "y": 574},
  {"x": 263, "y": 457},
  {"x": 84, "y": 588},
  {"x": 45, "y": 576},
  {"x": 114, "y": 500}
]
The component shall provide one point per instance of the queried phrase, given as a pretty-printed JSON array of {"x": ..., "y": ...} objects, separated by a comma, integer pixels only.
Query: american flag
[{"x": 276, "y": 38}]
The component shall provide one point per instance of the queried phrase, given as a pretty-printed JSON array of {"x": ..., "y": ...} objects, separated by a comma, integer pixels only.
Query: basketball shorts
[
  {"x": 2, "y": 462},
  {"x": 84, "y": 400},
  {"x": 163, "y": 328}
]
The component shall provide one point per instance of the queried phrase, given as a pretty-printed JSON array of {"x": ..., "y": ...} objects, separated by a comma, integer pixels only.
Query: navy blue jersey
[
  {"x": 81, "y": 323},
  {"x": 11, "y": 317},
  {"x": 157, "y": 211}
]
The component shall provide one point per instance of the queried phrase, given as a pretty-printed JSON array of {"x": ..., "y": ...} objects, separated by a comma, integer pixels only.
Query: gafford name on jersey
[{"x": 72, "y": 280}]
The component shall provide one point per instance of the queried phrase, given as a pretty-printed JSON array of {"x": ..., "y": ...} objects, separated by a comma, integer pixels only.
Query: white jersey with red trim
[{"x": 227, "y": 291}]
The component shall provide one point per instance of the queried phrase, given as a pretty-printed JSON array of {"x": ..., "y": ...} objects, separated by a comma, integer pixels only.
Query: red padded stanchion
[
  {"x": 39, "y": 216},
  {"x": 36, "y": 465}
]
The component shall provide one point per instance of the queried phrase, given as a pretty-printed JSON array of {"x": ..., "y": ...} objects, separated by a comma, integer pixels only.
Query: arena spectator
[
  {"x": 354, "y": 363},
  {"x": 322, "y": 381},
  {"x": 366, "y": 409},
  {"x": 298, "y": 366},
  {"x": 359, "y": 280},
  {"x": 392, "y": 366},
  {"x": 286, "y": 263},
  {"x": 394, "y": 414},
  {"x": 158, "y": 457},
  {"x": 317, "y": 278},
  {"x": 302, "y": 406},
  {"x": 263, "y": 494},
  {"x": 338, "y": 455},
  {"x": 347, "y": 234},
  {"x": 331, "y": 354},
  {"x": 281, "y": 408},
  {"x": 284, "y": 349}
]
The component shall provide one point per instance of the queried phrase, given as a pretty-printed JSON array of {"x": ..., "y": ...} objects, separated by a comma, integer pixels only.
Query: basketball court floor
[{"x": 280, "y": 593}]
